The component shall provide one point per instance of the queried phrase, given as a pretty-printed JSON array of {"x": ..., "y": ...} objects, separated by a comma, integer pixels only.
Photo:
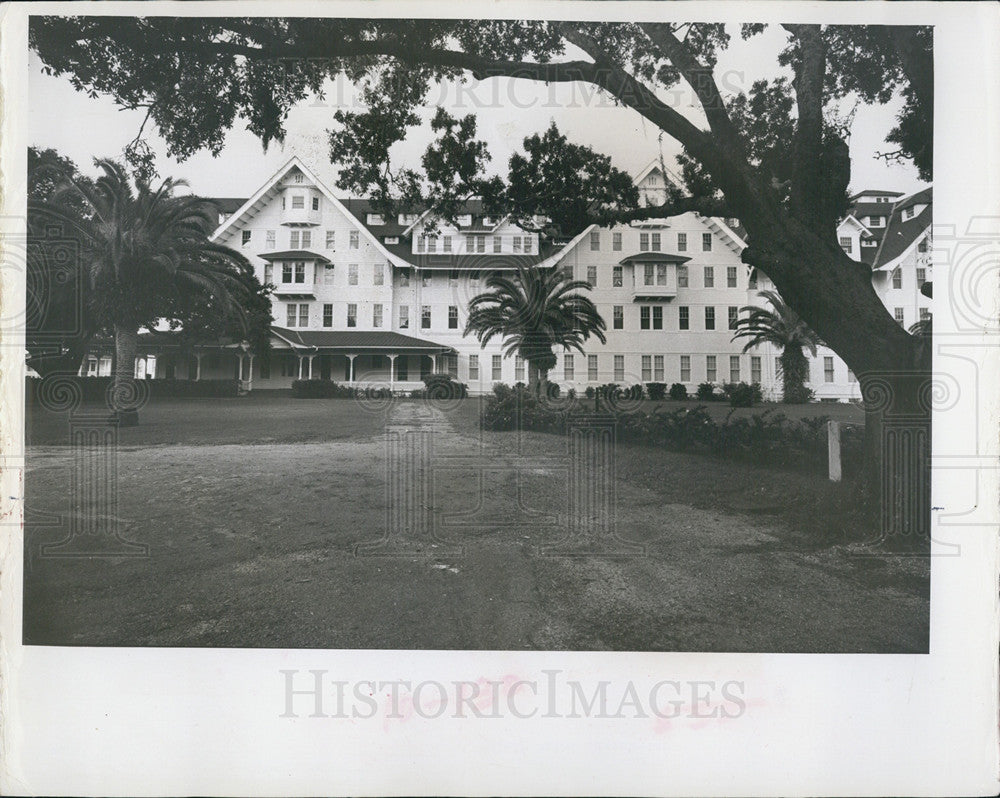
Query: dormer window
[
  {"x": 407, "y": 218},
  {"x": 908, "y": 213},
  {"x": 868, "y": 242},
  {"x": 463, "y": 219},
  {"x": 489, "y": 221},
  {"x": 376, "y": 218},
  {"x": 392, "y": 239},
  {"x": 876, "y": 221}
]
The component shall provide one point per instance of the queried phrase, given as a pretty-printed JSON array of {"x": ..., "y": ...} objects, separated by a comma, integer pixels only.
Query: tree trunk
[
  {"x": 533, "y": 377},
  {"x": 124, "y": 391},
  {"x": 543, "y": 383},
  {"x": 794, "y": 368}
]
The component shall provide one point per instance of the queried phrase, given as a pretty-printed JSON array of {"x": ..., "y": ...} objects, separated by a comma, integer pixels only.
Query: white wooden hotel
[{"x": 369, "y": 300}]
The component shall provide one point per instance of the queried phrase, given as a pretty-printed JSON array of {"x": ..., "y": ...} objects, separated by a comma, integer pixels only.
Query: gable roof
[
  {"x": 876, "y": 192},
  {"x": 901, "y": 235},
  {"x": 295, "y": 163},
  {"x": 356, "y": 339}
]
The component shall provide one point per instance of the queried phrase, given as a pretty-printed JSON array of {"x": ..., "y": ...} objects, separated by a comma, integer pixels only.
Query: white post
[
  {"x": 311, "y": 366},
  {"x": 197, "y": 369},
  {"x": 240, "y": 356},
  {"x": 350, "y": 371},
  {"x": 833, "y": 449},
  {"x": 392, "y": 371},
  {"x": 301, "y": 358},
  {"x": 250, "y": 375}
]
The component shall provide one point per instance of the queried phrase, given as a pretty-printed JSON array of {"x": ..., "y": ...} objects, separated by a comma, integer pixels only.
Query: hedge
[{"x": 95, "y": 389}]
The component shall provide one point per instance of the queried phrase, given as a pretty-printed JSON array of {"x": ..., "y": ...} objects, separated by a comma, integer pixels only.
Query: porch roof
[
  {"x": 294, "y": 254},
  {"x": 654, "y": 257},
  {"x": 357, "y": 340}
]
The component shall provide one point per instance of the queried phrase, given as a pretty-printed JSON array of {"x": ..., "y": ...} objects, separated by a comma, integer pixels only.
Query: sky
[{"x": 83, "y": 128}]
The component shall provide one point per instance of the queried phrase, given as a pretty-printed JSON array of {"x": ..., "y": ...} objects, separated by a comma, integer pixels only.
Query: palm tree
[
  {"x": 146, "y": 254},
  {"x": 782, "y": 327},
  {"x": 533, "y": 311}
]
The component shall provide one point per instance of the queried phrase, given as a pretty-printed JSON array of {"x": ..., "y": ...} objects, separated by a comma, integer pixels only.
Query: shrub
[
  {"x": 571, "y": 393},
  {"x": 742, "y": 395},
  {"x": 678, "y": 392},
  {"x": 633, "y": 392},
  {"x": 798, "y": 395},
  {"x": 656, "y": 390},
  {"x": 589, "y": 392},
  {"x": 552, "y": 390},
  {"x": 442, "y": 386},
  {"x": 706, "y": 392},
  {"x": 321, "y": 389}
]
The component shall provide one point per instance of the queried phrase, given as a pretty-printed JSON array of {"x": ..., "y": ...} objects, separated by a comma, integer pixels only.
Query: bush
[
  {"x": 571, "y": 393},
  {"x": 798, "y": 395},
  {"x": 656, "y": 390},
  {"x": 678, "y": 392},
  {"x": 589, "y": 392},
  {"x": 552, "y": 390},
  {"x": 442, "y": 386},
  {"x": 633, "y": 392},
  {"x": 743, "y": 395},
  {"x": 706, "y": 392},
  {"x": 321, "y": 389}
]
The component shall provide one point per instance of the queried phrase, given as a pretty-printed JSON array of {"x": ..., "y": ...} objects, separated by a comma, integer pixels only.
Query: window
[
  {"x": 908, "y": 213},
  {"x": 592, "y": 368},
  {"x": 655, "y": 242},
  {"x": 846, "y": 244},
  {"x": 682, "y": 276},
  {"x": 300, "y": 271},
  {"x": 246, "y": 237},
  {"x": 616, "y": 242},
  {"x": 657, "y": 317},
  {"x": 473, "y": 367},
  {"x": 617, "y": 318},
  {"x": 706, "y": 242},
  {"x": 497, "y": 244},
  {"x": 378, "y": 274},
  {"x": 644, "y": 317},
  {"x": 453, "y": 277},
  {"x": 658, "y": 368},
  {"x": 453, "y": 317},
  {"x": 592, "y": 276},
  {"x": 306, "y": 239},
  {"x": 497, "y": 368},
  {"x": 352, "y": 315},
  {"x": 616, "y": 277},
  {"x": 567, "y": 272},
  {"x": 619, "y": 374},
  {"x": 683, "y": 318},
  {"x": 709, "y": 318},
  {"x": 921, "y": 277},
  {"x": 303, "y": 315},
  {"x": 568, "y": 368},
  {"x": 710, "y": 368},
  {"x": 269, "y": 239},
  {"x": 685, "y": 368},
  {"x": 647, "y": 274},
  {"x": 528, "y": 244},
  {"x": 828, "y": 369},
  {"x": 480, "y": 243},
  {"x": 404, "y": 317},
  {"x": 404, "y": 278},
  {"x": 432, "y": 244},
  {"x": 518, "y": 368},
  {"x": 315, "y": 203},
  {"x": 286, "y": 272},
  {"x": 709, "y": 277},
  {"x": 644, "y": 242},
  {"x": 898, "y": 314},
  {"x": 925, "y": 314},
  {"x": 452, "y": 364},
  {"x": 328, "y": 315},
  {"x": 734, "y": 314},
  {"x": 851, "y": 376},
  {"x": 293, "y": 239},
  {"x": 352, "y": 274},
  {"x": 897, "y": 278},
  {"x": 734, "y": 368},
  {"x": 755, "y": 369},
  {"x": 730, "y": 277},
  {"x": 682, "y": 242},
  {"x": 661, "y": 274},
  {"x": 425, "y": 279},
  {"x": 875, "y": 221},
  {"x": 354, "y": 240},
  {"x": 298, "y": 202},
  {"x": 922, "y": 246},
  {"x": 752, "y": 280},
  {"x": 331, "y": 239},
  {"x": 595, "y": 240},
  {"x": 647, "y": 368},
  {"x": 292, "y": 314},
  {"x": 377, "y": 315},
  {"x": 425, "y": 317},
  {"x": 421, "y": 243},
  {"x": 268, "y": 273},
  {"x": 446, "y": 243}
]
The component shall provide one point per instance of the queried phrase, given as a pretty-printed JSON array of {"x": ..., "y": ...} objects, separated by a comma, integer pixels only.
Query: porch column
[
  {"x": 250, "y": 380},
  {"x": 311, "y": 366},
  {"x": 301, "y": 358},
  {"x": 350, "y": 373},
  {"x": 197, "y": 367},
  {"x": 240, "y": 357},
  {"x": 392, "y": 370}
]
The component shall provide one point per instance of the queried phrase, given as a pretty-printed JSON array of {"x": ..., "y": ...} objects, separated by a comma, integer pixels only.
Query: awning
[
  {"x": 358, "y": 340},
  {"x": 295, "y": 254},
  {"x": 654, "y": 257}
]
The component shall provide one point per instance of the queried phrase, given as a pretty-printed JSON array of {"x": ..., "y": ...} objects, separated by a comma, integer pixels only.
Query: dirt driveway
[{"x": 463, "y": 544}]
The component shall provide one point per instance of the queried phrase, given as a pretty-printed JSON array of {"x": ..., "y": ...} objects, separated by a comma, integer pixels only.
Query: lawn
[{"x": 253, "y": 509}]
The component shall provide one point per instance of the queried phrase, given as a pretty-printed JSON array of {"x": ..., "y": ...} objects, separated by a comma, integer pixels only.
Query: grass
[{"x": 252, "y": 509}]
